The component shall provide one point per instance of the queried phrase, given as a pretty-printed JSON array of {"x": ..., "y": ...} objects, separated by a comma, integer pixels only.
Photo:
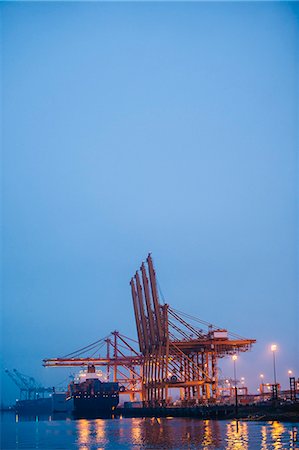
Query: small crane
[{"x": 30, "y": 389}]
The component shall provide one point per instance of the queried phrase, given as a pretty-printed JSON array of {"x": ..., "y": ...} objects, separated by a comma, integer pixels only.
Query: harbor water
[{"x": 49, "y": 433}]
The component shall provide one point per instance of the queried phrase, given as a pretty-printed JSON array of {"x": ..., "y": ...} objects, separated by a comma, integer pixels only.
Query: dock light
[
  {"x": 273, "y": 350},
  {"x": 234, "y": 358}
]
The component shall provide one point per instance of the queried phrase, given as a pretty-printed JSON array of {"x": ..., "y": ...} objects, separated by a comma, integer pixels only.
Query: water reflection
[
  {"x": 176, "y": 433},
  {"x": 264, "y": 438},
  {"x": 145, "y": 433},
  {"x": 237, "y": 435},
  {"x": 211, "y": 434},
  {"x": 100, "y": 429},
  {"x": 83, "y": 434},
  {"x": 207, "y": 434},
  {"x": 136, "y": 431},
  {"x": 276, "y": 432}
]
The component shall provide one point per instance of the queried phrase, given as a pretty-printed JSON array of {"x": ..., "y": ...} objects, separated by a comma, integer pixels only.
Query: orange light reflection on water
[
  {"x": 264, "y": 438},
  {"x": 83, "y": 434},
  {"x": 276, "y": 433},
  {"x": 237, "y": 436},
  {"x": 207, "y": 439},
  {"x": 100, "y": 431},
  {"x": 136, "y": 431}
]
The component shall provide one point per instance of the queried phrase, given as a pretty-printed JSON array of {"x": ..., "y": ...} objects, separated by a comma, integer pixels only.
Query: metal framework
[
  {"x": 121, "y": 362},
  {"x": 177, "y": 353},
  {"x": 176, "y": 350},
  {"x": 29, "y": 388}
]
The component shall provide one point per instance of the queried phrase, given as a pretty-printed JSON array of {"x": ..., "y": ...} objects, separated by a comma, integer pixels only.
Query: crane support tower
[
  {"x": 176, "y": 353},
  {"x": 30, "y": 389}
]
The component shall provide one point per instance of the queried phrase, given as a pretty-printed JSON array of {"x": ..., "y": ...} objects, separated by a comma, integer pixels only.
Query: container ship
[{"x": 92, "y": 397}]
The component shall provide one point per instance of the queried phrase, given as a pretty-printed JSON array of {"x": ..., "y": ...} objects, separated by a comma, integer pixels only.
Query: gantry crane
[
  {"x": 29, "y": 388},
  {"x": 122, "y": 362},
  {"x": 177, "y": 353},
  {"x": 176, "y": 350}
]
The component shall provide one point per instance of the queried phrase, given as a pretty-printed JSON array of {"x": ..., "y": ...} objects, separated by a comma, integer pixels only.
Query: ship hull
[
  {"x": 94, "y": 406},
  {"x": 92, "y": 397}
]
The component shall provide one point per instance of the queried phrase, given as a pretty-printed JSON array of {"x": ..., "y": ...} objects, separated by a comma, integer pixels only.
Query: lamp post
[
  {"x": 273, "y": 350},
  {"x": 262, "y": 383},
  {"x": 234, "y": 358},
  {"x": 292, "y": 385}
]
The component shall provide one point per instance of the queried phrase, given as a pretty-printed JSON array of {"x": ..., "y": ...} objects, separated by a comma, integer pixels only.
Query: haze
[{"x": 137, "y": 127}]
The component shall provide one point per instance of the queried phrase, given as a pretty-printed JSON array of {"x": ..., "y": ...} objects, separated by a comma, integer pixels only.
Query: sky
[{"x": 130, "y": 128}]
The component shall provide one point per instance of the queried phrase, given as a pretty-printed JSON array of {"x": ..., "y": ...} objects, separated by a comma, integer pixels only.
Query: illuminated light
[
  {"x": 273, "y": 348},
  {"x": 237, "y": 436},
  {"x": 100, "y": 431},
  {"x": 290, "y": 372},
  {"x": 83, "y": 432},
  {"x": 261, "y": 375},
  {"x": 264, "y": 445},
  {"x": 136, "y": 430},
  {"x": 242, "y": 379},
  {"x": 207, "y": 440},
  {"x": 277, "y": 434},
  {"x": 234, "y": 357}
]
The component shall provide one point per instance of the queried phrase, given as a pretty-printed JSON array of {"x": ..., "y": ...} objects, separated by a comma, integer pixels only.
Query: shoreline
[
  {"x": 254, "y": 413},
  {"x": 282, "y": 413}
]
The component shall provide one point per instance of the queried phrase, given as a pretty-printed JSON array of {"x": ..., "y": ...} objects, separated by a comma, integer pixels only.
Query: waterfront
[{"x": 144, "y": 433}]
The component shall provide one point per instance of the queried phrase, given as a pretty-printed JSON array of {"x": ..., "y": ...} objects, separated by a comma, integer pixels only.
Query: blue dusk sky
[{"x": 130, "y": 128}]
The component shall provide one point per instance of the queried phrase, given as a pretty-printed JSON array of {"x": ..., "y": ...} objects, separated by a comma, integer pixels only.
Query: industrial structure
[
  {"x": 177, "y": 353},
  {"x": 176, "y": 350},
  {"x": 30, "y": 389},
  {"x": 122, "y": 362}
]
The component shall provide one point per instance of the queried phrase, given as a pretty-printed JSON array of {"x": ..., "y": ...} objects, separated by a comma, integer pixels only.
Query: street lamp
[
  {"x": 262, "y": 383},
  {"x": 273, "y": 350},
  {"x": 292, "y": 385},
  {"x": 234, "y": 358}
]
